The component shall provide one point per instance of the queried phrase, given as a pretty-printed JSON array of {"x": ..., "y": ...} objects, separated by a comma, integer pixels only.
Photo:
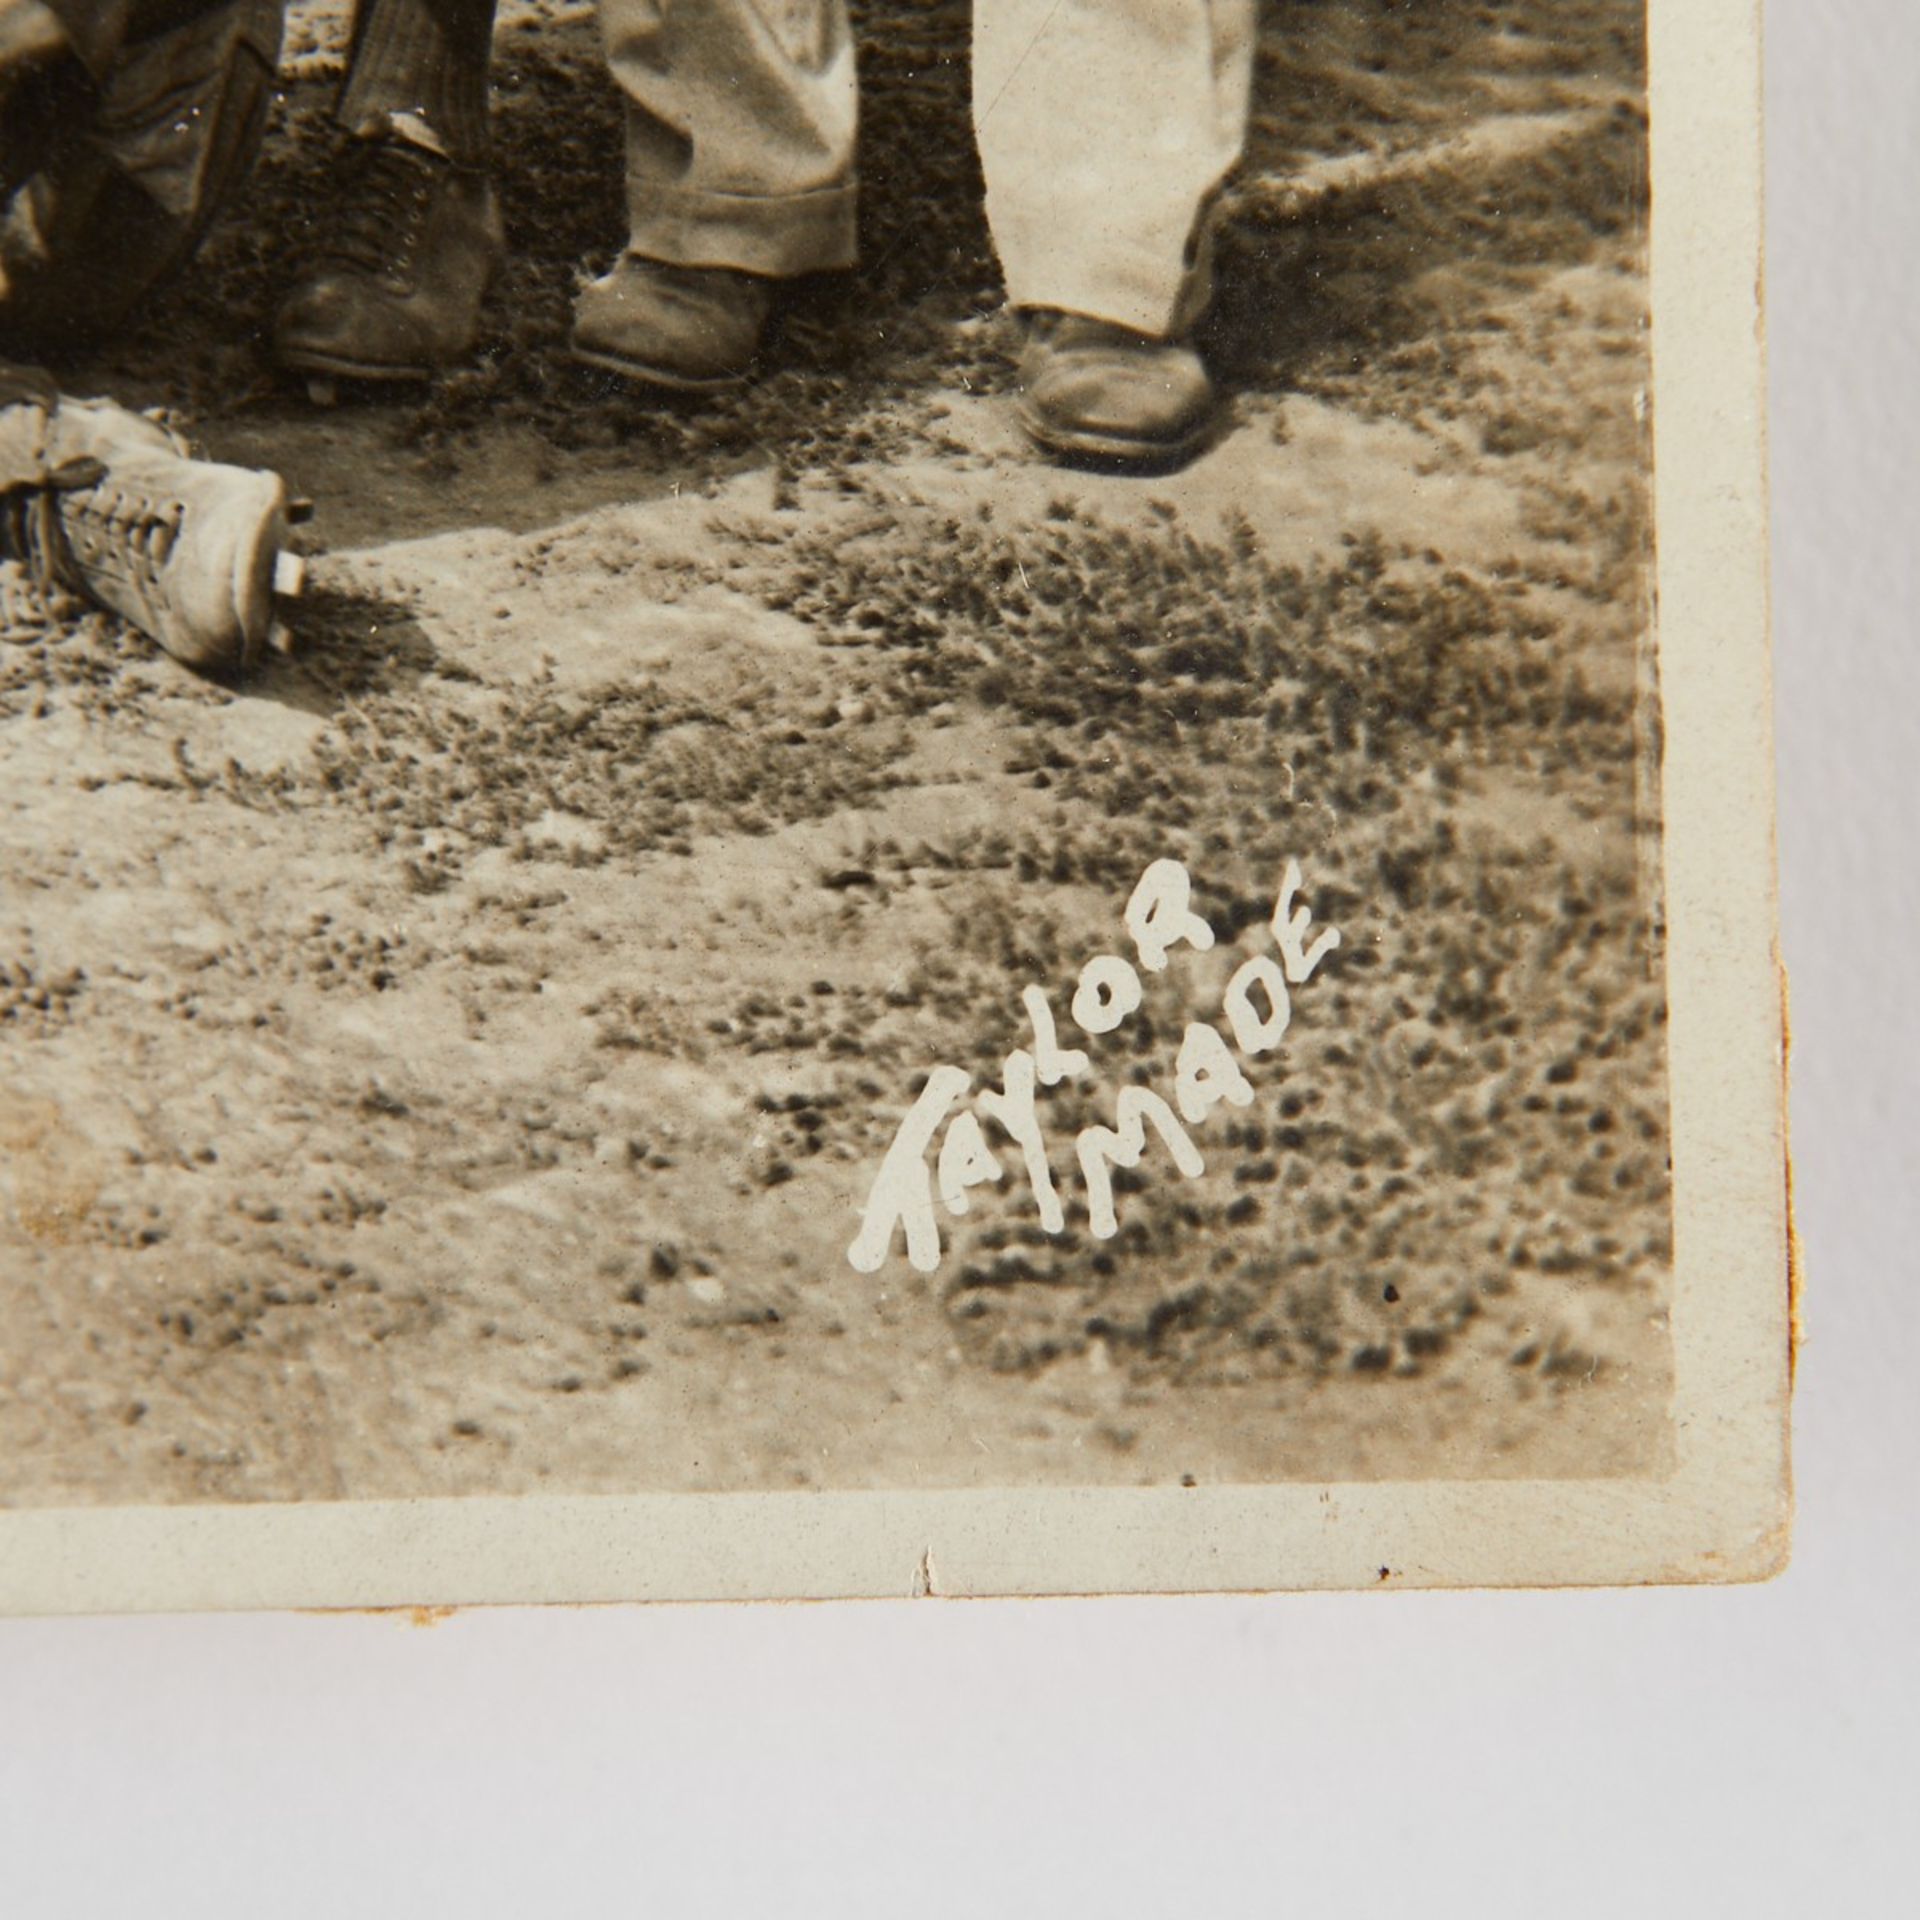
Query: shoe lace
[
  {"x": 27, "y": 536},
  {"x": 35, "y": 584},
  {"x": 384, "y": 209},
  {"x": 80, "y": 537},
  {"x": 27, "y": 610},
  {"x": 123, "y": 532}
]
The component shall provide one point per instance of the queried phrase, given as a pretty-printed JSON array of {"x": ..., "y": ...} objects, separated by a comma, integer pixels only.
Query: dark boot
[
  {"x": 397, "y": 287},
  {"x": 688, "y": 329},
  {"x": 1091, "y": 390}
]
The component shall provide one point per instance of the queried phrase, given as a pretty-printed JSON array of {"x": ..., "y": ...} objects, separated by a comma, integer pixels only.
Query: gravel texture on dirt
[{"x": 455, "y": 1059}]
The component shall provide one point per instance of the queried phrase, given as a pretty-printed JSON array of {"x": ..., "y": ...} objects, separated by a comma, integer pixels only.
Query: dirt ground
[{"x": 455, "y": 1059}]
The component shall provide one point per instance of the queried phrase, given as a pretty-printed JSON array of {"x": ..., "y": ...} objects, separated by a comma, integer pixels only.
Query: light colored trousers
[{"x": 1105, "y": 127}]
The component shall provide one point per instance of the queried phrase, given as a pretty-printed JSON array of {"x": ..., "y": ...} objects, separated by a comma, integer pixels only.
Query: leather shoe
[
  {"x": 1092, "y": 390},
  {"x": 121, "y": 515},
  {"x": 397, "y": 289},
  {"x": 689, "y": 329}
]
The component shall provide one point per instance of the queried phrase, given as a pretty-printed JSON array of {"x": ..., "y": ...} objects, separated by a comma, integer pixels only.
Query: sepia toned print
[{"x": 823, "y": 926}]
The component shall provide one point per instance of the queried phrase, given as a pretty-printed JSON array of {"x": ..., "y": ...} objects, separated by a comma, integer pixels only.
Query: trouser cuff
[
  {"x": 773, "y": 235},
  {"x": 1136, "y": 289}
]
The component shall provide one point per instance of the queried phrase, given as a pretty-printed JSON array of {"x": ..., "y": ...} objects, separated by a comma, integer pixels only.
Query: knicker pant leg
[
  {"x": 740, "y": 131},
  {"x": 166, "y": 127},
  {"x": 96, "y": 30},
  {"x": 1105, "y": 129}
]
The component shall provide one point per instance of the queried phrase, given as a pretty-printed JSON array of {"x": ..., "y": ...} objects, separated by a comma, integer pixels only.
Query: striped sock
[{"x": 426, "y": 59}]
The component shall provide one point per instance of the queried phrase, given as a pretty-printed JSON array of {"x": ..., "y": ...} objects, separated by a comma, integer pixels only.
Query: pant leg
[
  {"x": 64, "y": 97},
  {"x": 1105, "y": 128},
  {"x": 740, "y": 131},
  {"x": 96, "y": 30},
  {"x": 138, "y": 167}
]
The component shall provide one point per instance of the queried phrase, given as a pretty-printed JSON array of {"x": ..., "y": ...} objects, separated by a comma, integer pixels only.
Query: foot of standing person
[
  {"x": 686, "y": 329},
  {"x": 395, "y": 290},
  {"x": 1091, "y": 390}
]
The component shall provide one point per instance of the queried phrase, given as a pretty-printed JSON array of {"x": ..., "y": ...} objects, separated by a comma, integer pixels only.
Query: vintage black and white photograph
[{"x": 878, "y": 747}]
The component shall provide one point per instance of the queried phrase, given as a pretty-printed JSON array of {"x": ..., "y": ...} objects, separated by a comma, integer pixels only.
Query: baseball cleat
[
  {"x": 396, "y": 291},
  {"x": 189, "y": 551}
]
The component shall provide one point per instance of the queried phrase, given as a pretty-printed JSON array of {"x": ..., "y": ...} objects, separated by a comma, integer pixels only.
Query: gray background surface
[{"x": 1749, "y": 1751}]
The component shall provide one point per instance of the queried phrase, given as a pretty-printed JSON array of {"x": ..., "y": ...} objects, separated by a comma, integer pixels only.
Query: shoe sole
[
  {"x": 650, "y": 376},
  {"x": 256, "y": 565},
  {"x": 1114, "y": 450},
  {"x": 330, "y": 367},
  {"x": 250, "y": 580},
  {"x": 256, "y": 561}
]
